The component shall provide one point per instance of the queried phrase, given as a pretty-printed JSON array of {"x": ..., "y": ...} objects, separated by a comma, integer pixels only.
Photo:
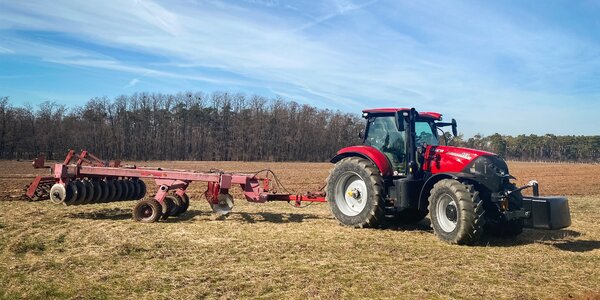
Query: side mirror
[{"x": 454, "y": 130}]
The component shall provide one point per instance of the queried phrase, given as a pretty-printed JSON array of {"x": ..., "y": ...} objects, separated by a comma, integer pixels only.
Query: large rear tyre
[
  {"x": 147, "y": 211},
  {"x": 354, "y": 193},
  {"x": 456, "y": 212}
]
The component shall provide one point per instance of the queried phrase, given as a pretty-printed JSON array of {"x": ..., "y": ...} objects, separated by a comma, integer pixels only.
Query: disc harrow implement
[{"x": 85, "y": 179}]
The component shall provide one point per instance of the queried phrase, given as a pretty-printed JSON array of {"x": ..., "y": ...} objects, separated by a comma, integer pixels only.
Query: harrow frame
[{"x": 86, "y": 165}]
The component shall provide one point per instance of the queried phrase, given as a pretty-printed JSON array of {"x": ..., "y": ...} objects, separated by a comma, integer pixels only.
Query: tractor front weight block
[{"x": 547, "y": 212}]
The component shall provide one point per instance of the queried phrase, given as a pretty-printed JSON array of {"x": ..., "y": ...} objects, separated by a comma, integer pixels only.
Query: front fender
[
  {"x": 428, "y": 185},
  {"x": 371, "y": 153}
]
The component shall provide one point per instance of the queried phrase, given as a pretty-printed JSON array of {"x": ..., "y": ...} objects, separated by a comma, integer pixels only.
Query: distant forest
[{"x": 224, "y": 126}]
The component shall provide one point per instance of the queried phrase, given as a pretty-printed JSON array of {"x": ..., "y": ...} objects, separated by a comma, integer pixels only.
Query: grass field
[{"x": 276, "y": 251}]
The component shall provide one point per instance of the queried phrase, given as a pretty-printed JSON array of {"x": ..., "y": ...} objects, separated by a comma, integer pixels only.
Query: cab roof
[{"x": 428, "y": 114}]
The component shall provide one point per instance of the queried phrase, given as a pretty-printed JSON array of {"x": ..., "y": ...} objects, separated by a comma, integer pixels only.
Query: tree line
[
  {"x": 184, "y": 126},
  {"x": 224, "y": 126},
  {"x": 549, "y": 147}
]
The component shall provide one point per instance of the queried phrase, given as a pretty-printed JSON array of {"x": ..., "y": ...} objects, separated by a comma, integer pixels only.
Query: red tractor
[{"x": 401, "y": 173}]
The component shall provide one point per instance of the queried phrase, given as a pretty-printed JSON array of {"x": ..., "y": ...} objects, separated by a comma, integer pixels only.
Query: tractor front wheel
[
  {"x": 456, "y": 212},
  {"x": 354, "y": 193}
]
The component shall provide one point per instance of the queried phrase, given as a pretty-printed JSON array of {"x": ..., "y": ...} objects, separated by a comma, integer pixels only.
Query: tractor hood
[
  {"x": 451, "y": 159},
  {"x": 490, "y": 168}
]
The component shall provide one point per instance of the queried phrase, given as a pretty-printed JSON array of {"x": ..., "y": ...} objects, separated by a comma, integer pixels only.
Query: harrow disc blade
[
  {"x": 97, "y": 191},
  {"x": 105, "y": 191},
  {"x": 112, "y": 191},
  {"x": 135, "y": 186},
  {"x": 132, "y": 190},
  {"x": 71, "y": 193},
  {"x": 142, "y": 190},
  {"x": 81, "y": 193},
  {"x": 118, "y": 190},
  {"x": 224, "y": 206},
  {"x": 89, "y": 192},
  {"x": 124, "y": 190},
  {"x": 58, "y": 193}
]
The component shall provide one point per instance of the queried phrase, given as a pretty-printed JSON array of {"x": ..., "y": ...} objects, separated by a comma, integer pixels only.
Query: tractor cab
[{"x": 388, "y": 130}]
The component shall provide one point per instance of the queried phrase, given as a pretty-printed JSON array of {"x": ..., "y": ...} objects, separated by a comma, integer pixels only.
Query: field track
[{"x": 276, "y": 251}]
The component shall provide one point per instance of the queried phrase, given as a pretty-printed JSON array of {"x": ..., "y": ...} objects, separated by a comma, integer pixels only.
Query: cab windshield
[{"x": 426, "y": 134}]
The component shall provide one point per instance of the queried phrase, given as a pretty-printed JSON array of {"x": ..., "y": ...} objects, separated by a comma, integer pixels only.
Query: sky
[{"x": 512, "y": 67}]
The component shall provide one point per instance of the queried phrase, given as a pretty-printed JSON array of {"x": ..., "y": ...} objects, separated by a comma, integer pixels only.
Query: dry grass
[{"x": 277, "y": 251}]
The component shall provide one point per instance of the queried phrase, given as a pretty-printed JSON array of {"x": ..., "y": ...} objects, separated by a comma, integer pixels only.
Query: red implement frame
[{"x": 256, "y": 189}]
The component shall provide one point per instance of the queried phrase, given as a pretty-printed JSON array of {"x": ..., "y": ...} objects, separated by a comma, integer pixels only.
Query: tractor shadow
[
  {"x": 103, "y": 214},
  {"x": 261, "y": 217},
  {"x": 563, "y": 239},
  {"x": 423, "y": 225}
]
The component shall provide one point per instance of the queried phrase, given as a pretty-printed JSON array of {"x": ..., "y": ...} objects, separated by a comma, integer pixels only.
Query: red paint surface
[
  {"x": 432, "y": 115},
  {"x": 450, "y": 159},
  {"x": 373, "y": 154}
]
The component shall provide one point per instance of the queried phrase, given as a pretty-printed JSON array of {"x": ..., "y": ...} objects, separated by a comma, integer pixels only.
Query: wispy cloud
[
  {"x": 5, "y": 50},
  {"x": 133, "y": 82}
]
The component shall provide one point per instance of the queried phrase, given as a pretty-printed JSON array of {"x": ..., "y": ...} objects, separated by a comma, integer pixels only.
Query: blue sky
[{"x": 513, "y": 67}]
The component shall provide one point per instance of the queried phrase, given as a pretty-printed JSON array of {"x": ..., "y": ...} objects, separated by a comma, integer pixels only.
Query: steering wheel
[
  {"x": 424, "y": 137},
  {"x": 379, "y": 141}
]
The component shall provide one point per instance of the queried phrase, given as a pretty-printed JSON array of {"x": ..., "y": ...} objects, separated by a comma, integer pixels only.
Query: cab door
[{"x": 385, "y": 134}]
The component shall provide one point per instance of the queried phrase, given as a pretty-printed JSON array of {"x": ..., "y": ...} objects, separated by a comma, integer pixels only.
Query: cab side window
[{"x": 384, "y": 135}]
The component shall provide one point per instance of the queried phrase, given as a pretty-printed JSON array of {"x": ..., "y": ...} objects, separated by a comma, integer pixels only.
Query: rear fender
[{"x": 373, "y": 154}]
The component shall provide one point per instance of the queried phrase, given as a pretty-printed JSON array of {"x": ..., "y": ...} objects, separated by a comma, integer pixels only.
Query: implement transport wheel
[
  {"x": 456, "y": 212},
  {"x": 185, "y": 203},
  {"x": 354, "y": 193},
  {"x": 176, "y": 205},
  {"x": 168, "y": 206},
  {"x": 147, "y": 211}
]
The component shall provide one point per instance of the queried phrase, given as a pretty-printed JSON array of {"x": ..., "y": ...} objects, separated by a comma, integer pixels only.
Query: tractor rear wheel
[
  {"x": 355, "y": 193},
  {"x": 456, "y": 212}
]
